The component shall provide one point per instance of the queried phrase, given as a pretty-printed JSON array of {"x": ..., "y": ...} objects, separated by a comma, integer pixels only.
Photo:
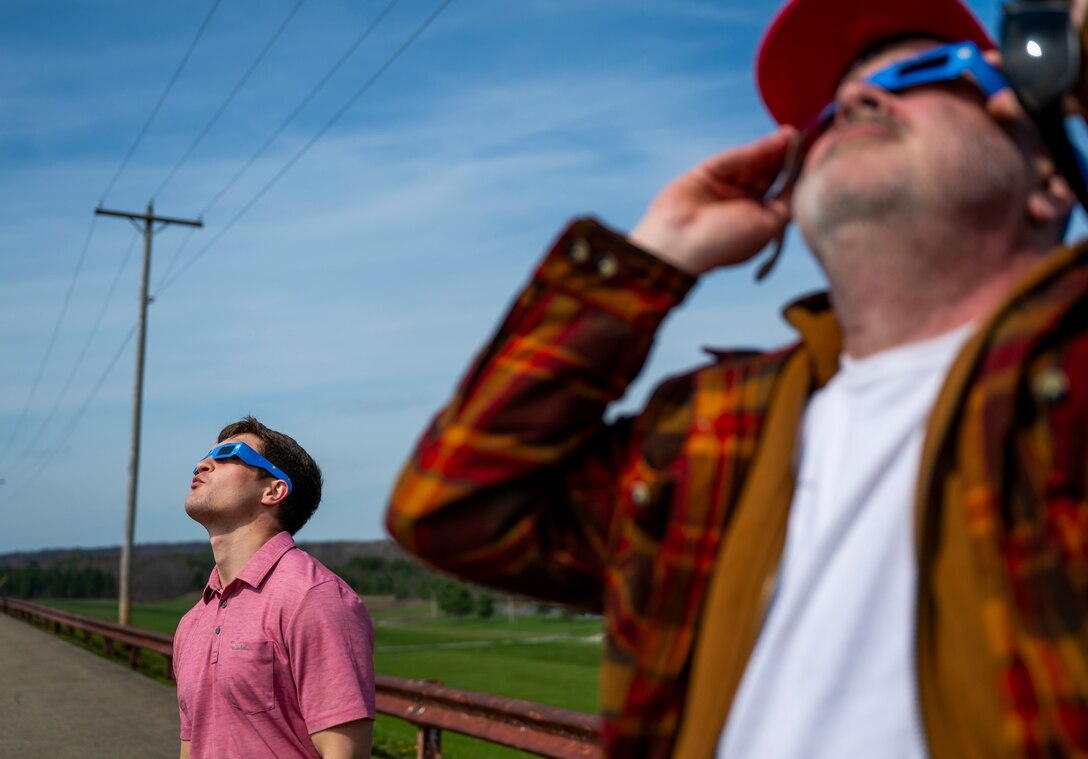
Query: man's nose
[
  {"x": 858, "y": 96},
  {"x": 205, "y": 464}
]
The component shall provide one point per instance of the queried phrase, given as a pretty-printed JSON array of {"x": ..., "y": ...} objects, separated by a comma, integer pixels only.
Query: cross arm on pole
[{"x": 149, "y": 217}]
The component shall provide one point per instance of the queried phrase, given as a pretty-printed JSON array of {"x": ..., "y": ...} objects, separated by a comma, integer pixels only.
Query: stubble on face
[{"x": 229, "y": 491}]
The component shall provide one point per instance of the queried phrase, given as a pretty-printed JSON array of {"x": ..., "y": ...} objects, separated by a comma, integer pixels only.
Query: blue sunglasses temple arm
[{"x": 252, "y": 458}]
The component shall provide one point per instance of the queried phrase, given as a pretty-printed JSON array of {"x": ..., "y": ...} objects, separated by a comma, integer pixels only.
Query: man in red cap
[{"x": 873, "y": 542}]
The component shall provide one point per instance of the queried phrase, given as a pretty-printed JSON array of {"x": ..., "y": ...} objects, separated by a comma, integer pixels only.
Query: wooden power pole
[{"x": 124, "y": 611}]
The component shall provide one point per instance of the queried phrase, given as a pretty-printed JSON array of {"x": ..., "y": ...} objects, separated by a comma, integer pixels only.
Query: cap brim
[{"x": 812, "y": 43}]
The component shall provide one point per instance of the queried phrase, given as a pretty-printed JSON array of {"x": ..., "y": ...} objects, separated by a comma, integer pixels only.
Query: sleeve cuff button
[
  {"x": 580, "y": 251},
  {"x": 608, "y": 266}
]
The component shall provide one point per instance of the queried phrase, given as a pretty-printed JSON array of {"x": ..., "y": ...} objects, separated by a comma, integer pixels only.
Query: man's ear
[{"x": 274, "y": 494}]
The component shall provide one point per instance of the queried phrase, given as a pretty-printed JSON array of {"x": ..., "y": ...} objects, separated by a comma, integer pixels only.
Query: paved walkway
[{"x": 59, "y": 701}]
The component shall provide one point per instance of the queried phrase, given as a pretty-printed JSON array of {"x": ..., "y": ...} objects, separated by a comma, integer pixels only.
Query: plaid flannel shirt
[{"x": 671, "y": 522}]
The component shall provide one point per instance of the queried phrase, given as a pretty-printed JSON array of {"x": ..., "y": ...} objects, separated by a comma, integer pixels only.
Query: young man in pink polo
[{"x": 275, "y": 658}]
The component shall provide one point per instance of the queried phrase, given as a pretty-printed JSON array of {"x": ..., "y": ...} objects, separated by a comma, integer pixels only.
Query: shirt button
[
  {"x": 217, "y": 631},
  {"x": 223, "y": 605}
]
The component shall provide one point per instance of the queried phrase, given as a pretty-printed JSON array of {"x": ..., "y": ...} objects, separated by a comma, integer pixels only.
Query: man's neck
[
  {"x": 890, "y": 290},
  {"x": 233, "y": 549}
]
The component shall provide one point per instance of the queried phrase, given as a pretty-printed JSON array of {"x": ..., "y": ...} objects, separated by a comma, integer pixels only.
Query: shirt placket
[{"x": 222, "y": 600}]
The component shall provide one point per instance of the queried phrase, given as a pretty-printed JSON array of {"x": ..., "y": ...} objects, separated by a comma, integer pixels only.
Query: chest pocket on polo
[{"x": 246, "y": 677}]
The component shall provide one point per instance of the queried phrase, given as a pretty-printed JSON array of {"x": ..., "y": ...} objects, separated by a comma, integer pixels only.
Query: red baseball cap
[{"x": 811, "y": 44}]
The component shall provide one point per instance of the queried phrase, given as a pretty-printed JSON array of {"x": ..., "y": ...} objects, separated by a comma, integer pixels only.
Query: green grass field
[{"x": 546, "y": 660}]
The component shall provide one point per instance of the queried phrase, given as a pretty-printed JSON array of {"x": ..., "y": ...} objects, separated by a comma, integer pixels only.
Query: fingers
[
  {"x": 715, "y": 214},
  {"x": 751, "y": 168},
  {"x": 1004, "y": 106},
  {"x": 1078, "y": 12}
]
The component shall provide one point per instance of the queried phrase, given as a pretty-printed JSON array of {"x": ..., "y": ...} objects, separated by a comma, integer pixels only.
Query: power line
[
  {"x": 290, "y": 163},
  {"x": 162, "y": 99},
  {"x": 51, "y": 456},
  {"x": 29, "y": 448},
  {"x": 305, "y": 148},
  {"x": 86, "y": 244},
  {"x": 49, "y": 347},
  {"x": 230, "y": 97},
  {"x": 83, "y": 254},
  {"x": 301, "y": 106},
  {"x": 177, "y": 254}
]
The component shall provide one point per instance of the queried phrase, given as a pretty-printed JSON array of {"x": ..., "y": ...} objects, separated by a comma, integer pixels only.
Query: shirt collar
[
  {"x": 821, "y": 336},
  {"x": 258, "y": 566}
]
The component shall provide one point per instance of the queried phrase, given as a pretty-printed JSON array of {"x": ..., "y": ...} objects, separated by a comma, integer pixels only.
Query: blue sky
[{"x": 342, "y": 304}]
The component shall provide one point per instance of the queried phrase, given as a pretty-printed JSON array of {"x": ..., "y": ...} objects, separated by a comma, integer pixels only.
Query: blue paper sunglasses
[
  {"x": 940, "y": 64},
  {"x": 249, "y": 456}
]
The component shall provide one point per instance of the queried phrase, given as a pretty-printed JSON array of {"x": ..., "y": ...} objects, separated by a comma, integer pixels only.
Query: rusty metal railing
[
  {"x": 543, "y": 730},
  {"x": 431, "y": 707},
  {"x": 134, "y": 639}
]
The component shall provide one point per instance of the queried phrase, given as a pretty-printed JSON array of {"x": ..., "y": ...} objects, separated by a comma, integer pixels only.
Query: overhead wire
[
  {"x": 230, "y": 97},
  {"x": 50, "y": 456},
  {"x": 162, "y": 99},
  {"x": 30, "y": 446},
  {"x": 167, "y": 282},
  {"x": 177, "y": 255},
  {"x": 309, "y": 144},
  {"x": 21, "y": 419},
  {"x": 300, "y": 107}
]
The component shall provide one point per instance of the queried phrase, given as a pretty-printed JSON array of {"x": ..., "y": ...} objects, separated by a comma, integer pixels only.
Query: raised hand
[{"x": 715, "y": 215}]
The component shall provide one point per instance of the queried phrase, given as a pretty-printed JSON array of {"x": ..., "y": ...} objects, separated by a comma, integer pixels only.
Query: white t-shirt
[{"x": 833, "y": 674}]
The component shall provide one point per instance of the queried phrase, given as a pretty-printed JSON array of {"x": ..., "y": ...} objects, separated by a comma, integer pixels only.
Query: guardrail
[
  {"x": 132, "y": 638},
  {"x": 431, "y": 707}
]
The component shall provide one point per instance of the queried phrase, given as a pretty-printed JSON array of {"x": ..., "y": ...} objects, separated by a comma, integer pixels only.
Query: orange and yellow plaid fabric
[{"x": 519, "y": 483}]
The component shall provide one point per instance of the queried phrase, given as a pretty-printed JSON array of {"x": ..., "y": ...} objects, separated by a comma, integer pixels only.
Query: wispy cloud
[{"x": 344, "y": 305}]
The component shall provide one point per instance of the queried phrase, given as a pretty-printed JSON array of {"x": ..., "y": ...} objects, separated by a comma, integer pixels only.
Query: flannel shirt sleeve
[{"x": 514, "y": 483}]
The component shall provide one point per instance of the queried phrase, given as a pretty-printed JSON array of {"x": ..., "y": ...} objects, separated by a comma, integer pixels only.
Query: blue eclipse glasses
[
  {"x": 249, "y": 456},
  {"x": 940, "y": 64}
]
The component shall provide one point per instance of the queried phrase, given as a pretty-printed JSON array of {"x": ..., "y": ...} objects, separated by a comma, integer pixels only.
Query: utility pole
[{"x": 124, "y": 611}]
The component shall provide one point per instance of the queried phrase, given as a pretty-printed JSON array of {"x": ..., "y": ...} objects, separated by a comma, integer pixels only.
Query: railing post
[{"x": 428, "y": 743}]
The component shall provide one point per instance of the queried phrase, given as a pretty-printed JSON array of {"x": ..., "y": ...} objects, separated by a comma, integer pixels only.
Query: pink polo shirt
[{"x": 282, "y": 652}]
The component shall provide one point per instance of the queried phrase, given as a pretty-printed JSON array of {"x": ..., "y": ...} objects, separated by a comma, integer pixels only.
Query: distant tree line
[
  {"x": 169, "y": 575},
  {"x": 70, "y": 578},
  {"x": 376, "y": 576}
]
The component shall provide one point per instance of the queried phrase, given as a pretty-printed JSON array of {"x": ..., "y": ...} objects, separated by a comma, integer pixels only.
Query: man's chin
[
  {"x": 830, "y": 201},
  {"x": 197, "y": 511}
]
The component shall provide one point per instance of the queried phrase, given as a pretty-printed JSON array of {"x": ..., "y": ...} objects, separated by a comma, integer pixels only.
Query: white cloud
[{"x": 344, "y": 305}]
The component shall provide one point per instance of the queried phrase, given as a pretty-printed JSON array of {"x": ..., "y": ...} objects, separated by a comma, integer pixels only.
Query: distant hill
[
  {"x": 167, "y": 570},
  {"x": 327, "y": 552}
]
